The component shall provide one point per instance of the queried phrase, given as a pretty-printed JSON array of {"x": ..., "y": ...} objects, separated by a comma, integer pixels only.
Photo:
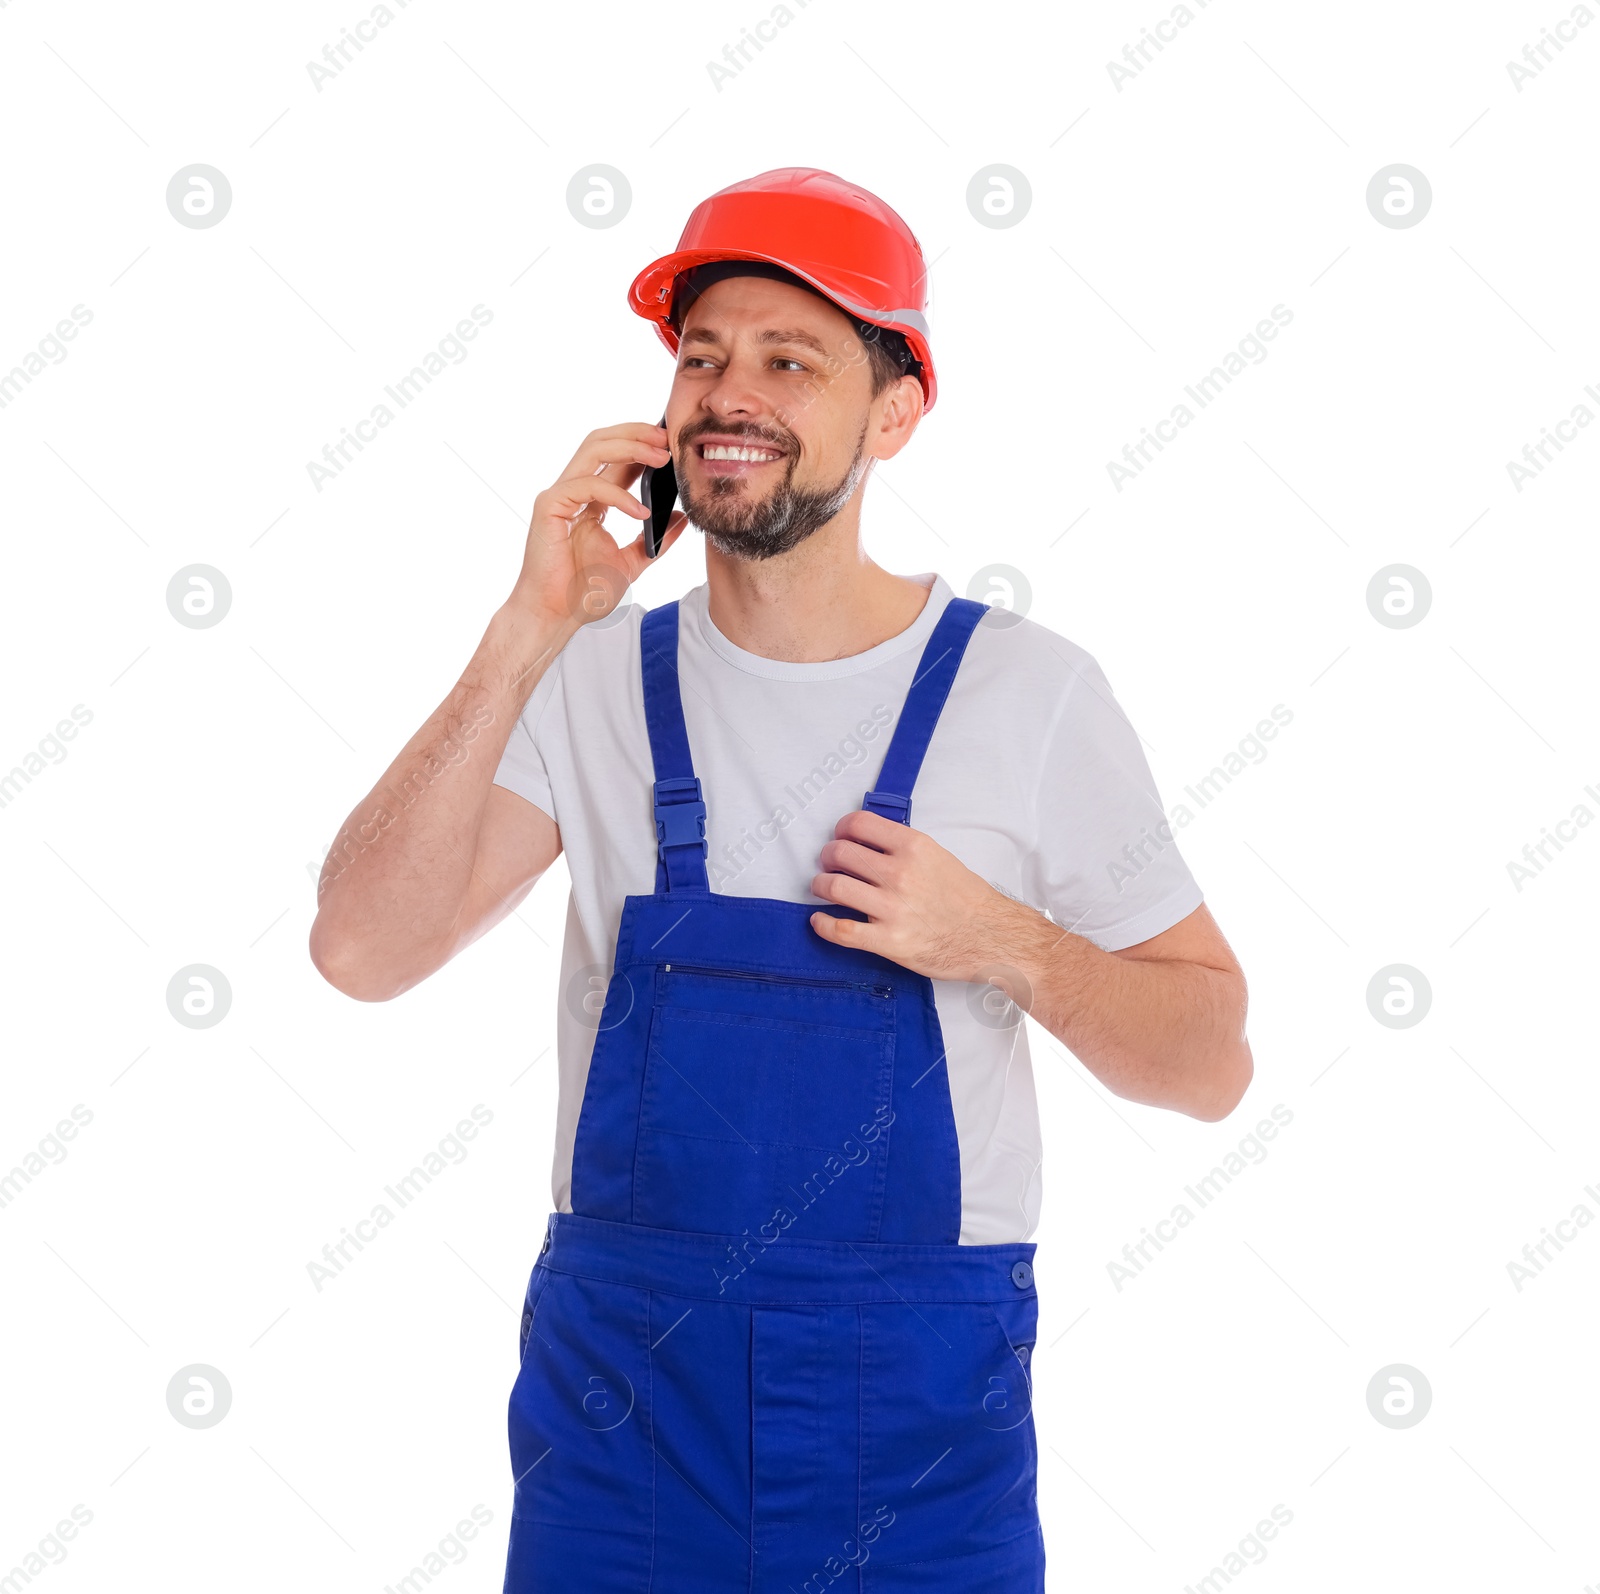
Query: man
[{"x": 781, "y": 1327}]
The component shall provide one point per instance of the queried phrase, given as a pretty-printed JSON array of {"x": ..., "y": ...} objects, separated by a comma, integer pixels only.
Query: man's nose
[{"x": 736, "y": 394}]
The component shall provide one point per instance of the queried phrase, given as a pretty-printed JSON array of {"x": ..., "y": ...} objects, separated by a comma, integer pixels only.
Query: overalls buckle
[
  {"x": 680, "y": 822},
  {"x": 888, "y": 805}
]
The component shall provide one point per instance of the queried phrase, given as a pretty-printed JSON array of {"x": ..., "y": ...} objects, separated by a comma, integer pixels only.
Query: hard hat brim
[{"x": 650, "y": 296}]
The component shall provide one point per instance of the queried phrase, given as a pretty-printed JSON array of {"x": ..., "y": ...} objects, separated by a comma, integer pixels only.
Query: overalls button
[
  {"x": 1021, "y": 1275},
  {"x": 1022, "y": 1354}
]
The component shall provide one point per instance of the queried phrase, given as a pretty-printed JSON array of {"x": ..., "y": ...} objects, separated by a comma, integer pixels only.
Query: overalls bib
[{"x": 754, "y": 1356}]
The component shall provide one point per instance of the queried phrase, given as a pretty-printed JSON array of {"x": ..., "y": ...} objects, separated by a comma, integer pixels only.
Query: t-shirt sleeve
[
  {"x": 1106, "y": 861},
  {"x": 522, "y": 765}
]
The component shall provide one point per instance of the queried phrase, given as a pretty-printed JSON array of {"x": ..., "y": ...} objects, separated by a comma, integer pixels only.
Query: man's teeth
[{"x": 748, "y": 455}]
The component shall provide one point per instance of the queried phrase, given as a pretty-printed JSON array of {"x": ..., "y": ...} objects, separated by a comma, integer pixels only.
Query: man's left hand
[{"x": 925, "y": 908}]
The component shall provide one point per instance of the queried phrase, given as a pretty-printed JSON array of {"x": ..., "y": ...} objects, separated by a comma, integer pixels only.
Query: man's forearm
[
  {"x": 1162, "y": 1032},
  {"x": 398, "y": 872}
]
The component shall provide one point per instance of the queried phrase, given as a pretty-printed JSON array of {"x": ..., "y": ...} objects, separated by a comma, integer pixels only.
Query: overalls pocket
[
  {"x": 947, "y": 1429},
  {"x": 580, "y": 1429},
  {"x": 766, "y": 1101},
  {"x": 1008, "y": 1403},
  {"x": 530, "y": 1308}
]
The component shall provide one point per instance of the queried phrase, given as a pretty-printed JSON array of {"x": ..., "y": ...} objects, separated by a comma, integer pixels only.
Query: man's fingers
[
  {"x": 630, "y": 441},
  {"x": 872, "y": 830},
  {"x": 848, "y": 892},
  {"x": 568, "y": 499},
  {"x": 630, "y": 460},
  {"x": 842, "y": 932},
  {"x": 850, "y": 857},
  {"x": 633, "y": 557}
]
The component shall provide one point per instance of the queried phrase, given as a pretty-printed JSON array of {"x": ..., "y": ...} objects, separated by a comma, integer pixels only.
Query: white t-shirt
[{"x": 1034, "y": 779}]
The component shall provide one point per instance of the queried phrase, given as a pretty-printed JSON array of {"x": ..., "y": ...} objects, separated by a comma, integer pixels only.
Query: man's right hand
[{"x": 573, "y": 569}]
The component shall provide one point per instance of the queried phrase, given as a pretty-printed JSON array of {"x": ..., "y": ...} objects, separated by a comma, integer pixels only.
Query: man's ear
[{"x": 900, "y": 409}]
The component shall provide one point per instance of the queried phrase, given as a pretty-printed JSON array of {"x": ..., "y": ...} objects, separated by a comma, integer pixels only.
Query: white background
[{"x": 186, "y": 822}]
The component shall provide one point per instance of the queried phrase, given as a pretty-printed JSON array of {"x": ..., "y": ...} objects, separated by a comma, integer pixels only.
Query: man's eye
[{"x": 784, "y": 359}]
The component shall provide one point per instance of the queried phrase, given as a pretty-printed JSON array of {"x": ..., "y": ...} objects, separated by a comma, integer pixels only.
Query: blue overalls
[{"x": 754, "y": 1356}]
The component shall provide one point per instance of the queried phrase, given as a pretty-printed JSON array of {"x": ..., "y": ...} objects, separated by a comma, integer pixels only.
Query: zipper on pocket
[{"x": 782, "y": 979}]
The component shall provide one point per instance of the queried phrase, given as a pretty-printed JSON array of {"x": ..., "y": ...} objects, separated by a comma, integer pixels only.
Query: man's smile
[{"x": 731, "y": 457}]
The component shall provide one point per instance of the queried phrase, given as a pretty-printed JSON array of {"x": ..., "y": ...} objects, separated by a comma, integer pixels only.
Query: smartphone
[{"x": 658, "y": 492}]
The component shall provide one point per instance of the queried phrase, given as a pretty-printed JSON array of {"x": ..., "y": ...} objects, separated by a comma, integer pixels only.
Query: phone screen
[{"x": 658, "y": 492}]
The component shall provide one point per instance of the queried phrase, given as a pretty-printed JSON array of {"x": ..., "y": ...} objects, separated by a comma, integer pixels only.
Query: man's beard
[{"x": 763, "y": 529}]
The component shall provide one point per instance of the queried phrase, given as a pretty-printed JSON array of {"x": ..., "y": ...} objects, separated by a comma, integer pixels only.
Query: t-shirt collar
[{"x": 695, "y": 614}]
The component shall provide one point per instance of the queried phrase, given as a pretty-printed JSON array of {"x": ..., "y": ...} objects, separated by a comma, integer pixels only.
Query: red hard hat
[{"x": 845, "y": 242}]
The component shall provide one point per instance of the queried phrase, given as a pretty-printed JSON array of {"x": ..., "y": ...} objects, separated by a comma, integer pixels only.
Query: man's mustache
[{"x": 749, "y": 434}]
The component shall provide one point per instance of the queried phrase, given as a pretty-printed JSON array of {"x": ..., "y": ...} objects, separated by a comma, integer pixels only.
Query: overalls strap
[
  {"x": 680, "y": 808},
  {"x": 936, "y": 672}
]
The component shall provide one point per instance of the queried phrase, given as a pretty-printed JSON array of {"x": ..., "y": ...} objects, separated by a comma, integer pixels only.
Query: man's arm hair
[{"x": 436, "y": 854}]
